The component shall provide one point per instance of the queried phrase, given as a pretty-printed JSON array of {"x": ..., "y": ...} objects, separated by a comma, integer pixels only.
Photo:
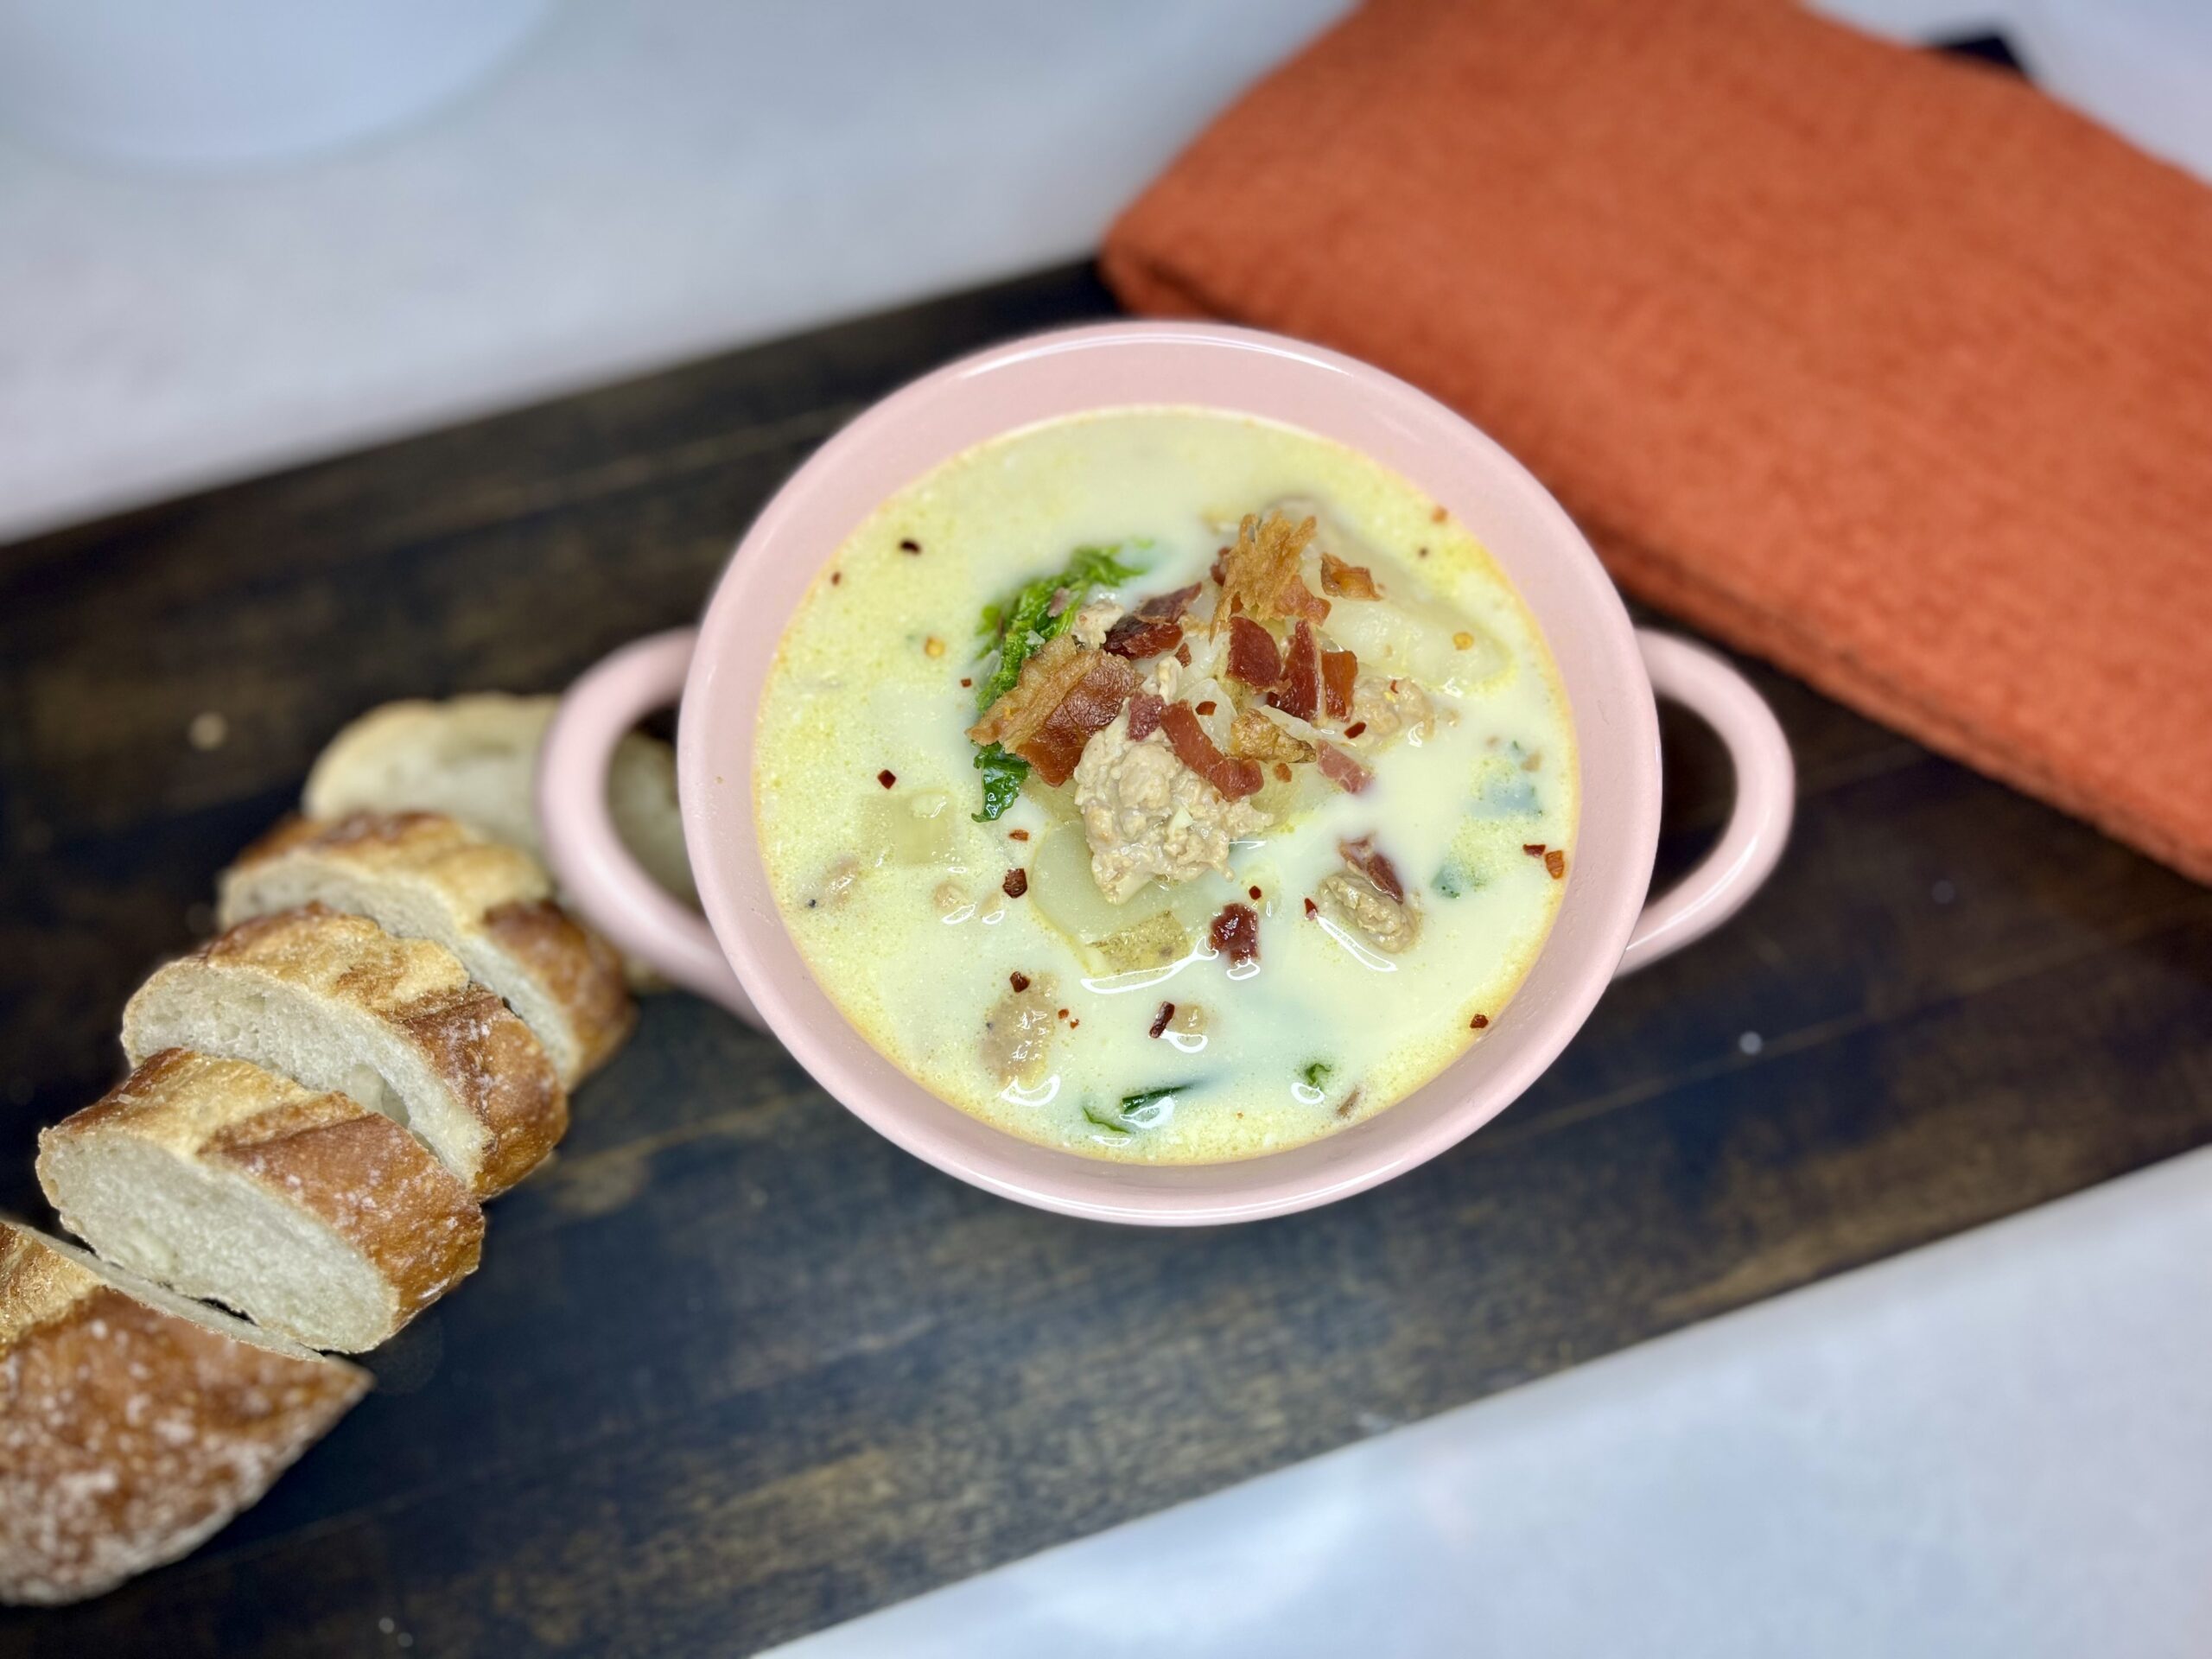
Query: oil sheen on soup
[{"x": 1166, "y": 784}]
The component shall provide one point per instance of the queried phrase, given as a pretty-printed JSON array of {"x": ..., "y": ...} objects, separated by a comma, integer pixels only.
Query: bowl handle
[
  {"x": 596, "y": 872},
  {"x": 1766, "y": 798}
]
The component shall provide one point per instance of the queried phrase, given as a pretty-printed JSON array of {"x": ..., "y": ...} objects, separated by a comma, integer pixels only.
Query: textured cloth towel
[{"x": 1877, "y": 364}]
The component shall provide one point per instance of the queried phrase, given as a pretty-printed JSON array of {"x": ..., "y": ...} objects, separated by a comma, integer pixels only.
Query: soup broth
[{"x": 1166, "y": 784}]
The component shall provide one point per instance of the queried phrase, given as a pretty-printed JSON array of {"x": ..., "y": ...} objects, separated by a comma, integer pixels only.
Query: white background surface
[
  {"x": 1996, "y": 1447},
  {"x": 649, "y": 181},
  {"x": 654, "y": 180}
]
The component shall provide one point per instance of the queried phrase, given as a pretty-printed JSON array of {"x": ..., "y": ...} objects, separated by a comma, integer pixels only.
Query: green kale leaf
[
  {"x": 1002, "y": 775},
  {"x": 1020, "y": 625}
]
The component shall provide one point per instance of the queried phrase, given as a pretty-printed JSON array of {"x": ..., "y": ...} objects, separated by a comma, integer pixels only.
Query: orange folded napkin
[{"x": 1875, "y": 364}]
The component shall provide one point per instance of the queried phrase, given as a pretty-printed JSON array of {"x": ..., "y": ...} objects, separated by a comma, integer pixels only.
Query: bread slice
[
  {"x": 475, "y": 759},
  {"x": 423, "y": 875},
  {"x": 308, "y": 1213},
  {"x": 336, "y": 1003},
  {"x": 134, "y": 1423}
]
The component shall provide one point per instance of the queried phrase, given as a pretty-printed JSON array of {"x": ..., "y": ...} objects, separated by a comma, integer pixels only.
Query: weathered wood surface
[{"x": 736, "y": 1368}]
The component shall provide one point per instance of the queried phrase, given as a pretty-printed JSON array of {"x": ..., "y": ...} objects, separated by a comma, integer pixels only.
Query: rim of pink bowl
[{"x": 1119, "y": 364}]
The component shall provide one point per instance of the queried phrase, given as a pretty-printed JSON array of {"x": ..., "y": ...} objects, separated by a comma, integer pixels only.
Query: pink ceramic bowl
[{"x": 741, "y": 956}]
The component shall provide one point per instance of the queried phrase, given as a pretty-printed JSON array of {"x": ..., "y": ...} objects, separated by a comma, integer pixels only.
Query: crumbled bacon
[
  {"x": 1065, "y": 693},
  {"x": 1254, "y": 735},
  {"x": 1347, "y": 580},
  {"x": 1159, "y": 1021},
  {"x": 1259, "y": 575},
  {"x": 1252, "y": 655},
  {"x": 1362, "y": 856},
  {"x": 1136, "y": 636},
  {"x": 1168, "y": 606},
  {"x": 1481, "y": 1022},
  {"x": 1153, "y": 627},
  {"x": 1015, "y": 884},
  {"x": 1341, "y": 770},
  {"x": 1556, "y": 863},
  {"x": 1144, "y": 715},
  {"x": 1338, "y": 670},
  {"x": 1301, "y": 692},
  {"x": 1235, "y": 933},
  {"x": 1234, "y": 778},
  {"x": 1183, "y": 653}
]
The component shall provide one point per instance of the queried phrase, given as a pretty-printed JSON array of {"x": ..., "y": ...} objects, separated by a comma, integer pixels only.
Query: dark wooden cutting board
[{"x": 736, "y": 1368}]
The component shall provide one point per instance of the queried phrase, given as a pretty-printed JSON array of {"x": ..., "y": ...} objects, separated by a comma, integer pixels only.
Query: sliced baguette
[
  {"x": 475, "y": 759},
  {"x": 313, "y": 1216},
  {"x": 134, "y": 1423},
  {"x": 423, "y": 875},
  {"x": 335, "y": 1003}
]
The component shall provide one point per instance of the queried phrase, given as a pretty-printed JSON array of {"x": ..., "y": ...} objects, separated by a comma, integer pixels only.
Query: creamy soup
[{"x": 1165, "y": 786}]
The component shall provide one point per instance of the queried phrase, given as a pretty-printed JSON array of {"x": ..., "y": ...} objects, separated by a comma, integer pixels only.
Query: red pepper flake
[
  {"x": 1252, "y": 655},
  {"x": 1301, "y": 692},
  {"x": 909, "y": 546},
  {"x": 1282, "y": 770},
  {"x": 1060, "y": 1013},
  {"x": 1341, "y": 769},
  {"x": 1252, "y": 892},
  {"x": 1016, "y": 883},
  {"x": 1183, "y": 655},
  {"x": 1208, "y": 706},
  {"x": 1159, "y": 1021},
  {"x": 1436, "y": 515},
  {"x": 886, "y": 776},
  {"x": 1235, "y": 933},
  {"x": 1479, "y": 1022},
  {"x": 1310, "y": 907},
  {"x": 1073, "y": 1024},
  {"x": 836, "y": 577},
  {"x": 1338, "y": 670},
  {"x": 1017, "y": 834},
  {"x": 1019, "y": 980},
  {"x": 1375, "y": 866},
  {"x": 1234, "y": 778},
  {"x": 967, "y": 684},
  {"x": 1555, "y": 862},
  {"x": 1534, "y": 849},
  {"x": 1355, "y": 728}
]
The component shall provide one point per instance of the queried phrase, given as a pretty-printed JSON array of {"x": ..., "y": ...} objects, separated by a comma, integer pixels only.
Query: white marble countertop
[{"x": 656, "y": 179}]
